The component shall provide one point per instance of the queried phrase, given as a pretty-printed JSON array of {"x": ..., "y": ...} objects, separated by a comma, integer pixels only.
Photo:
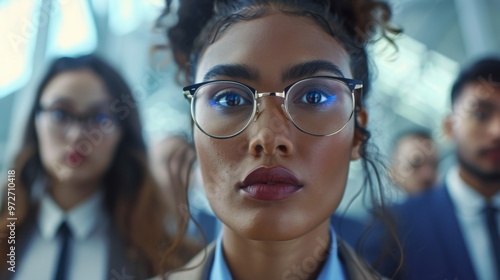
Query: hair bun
[
  {"x": 367, "y": 21},
  {"x": 193, "y": 15}
]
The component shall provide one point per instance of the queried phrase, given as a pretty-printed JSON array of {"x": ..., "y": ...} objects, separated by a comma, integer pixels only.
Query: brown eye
[
  {"x": 229, "y": 99},
  {"x": 316, "y": 96},
  {"x": 59, "y": 115},
  {"x": 482, "y": 115}
]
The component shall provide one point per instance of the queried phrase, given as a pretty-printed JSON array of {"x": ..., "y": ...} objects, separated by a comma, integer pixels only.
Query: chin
[
  {"x": 271, "y": 234},
  {"x": 77, "y": 174},
  {"x": 269, "y": 228}
]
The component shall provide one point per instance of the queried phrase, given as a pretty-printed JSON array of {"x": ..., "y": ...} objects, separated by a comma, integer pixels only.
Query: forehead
[
  {"x": 485, "y": 92},
  {"x": 79, "y": 87},
  {"x": 273, "y": 42},
  {"x": 411, "y": 143}
]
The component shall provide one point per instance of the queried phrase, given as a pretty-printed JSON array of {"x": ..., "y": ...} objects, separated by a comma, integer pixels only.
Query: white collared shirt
[
  {"x": 469, "y": 207},
  {"x": 89, "y": 246}
]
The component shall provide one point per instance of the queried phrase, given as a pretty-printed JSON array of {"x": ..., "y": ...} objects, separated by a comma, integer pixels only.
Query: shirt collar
[
  {"x": 467, "y": 200},
  {"x": 332, "y": 269},
  {"x": 81, "y": 219}
]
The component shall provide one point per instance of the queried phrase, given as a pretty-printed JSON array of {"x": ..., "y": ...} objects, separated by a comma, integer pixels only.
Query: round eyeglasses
[
  {"x": 61, "y": 120},
  {"x": 319, "y": 106}
]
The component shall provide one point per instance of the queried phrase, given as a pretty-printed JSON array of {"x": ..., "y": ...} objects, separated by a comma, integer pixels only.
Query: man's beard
[{"x": 482, "y": 176}]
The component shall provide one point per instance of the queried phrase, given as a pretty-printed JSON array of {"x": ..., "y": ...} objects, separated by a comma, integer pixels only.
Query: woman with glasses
[
  {"x": 85, "y": 204},
  {"x": 276, "y": 98}
]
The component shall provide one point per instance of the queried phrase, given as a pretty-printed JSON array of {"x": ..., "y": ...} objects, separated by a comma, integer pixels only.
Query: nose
[
  {"x": 74, "y": 131},
  {"x": 270, "y": 131},
  {"x": 494, "y": 127},
  {"x": 428, "y": 172}
]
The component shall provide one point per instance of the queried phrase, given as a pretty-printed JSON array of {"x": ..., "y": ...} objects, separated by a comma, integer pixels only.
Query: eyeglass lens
[
  {"x": 319, "y": 106},
  {"x": 61, "y": 120}
]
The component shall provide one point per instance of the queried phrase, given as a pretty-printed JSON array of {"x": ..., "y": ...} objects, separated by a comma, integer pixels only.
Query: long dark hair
[
  {"x": 130, "y": 195},
  {"x": 355, "y": 23}
]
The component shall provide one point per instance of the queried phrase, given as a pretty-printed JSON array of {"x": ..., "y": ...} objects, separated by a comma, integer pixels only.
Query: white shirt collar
[
  {"x": 332, "y": 269},
  {"x": 82, "y": 219},
  {"x": 467, "y": 200}
]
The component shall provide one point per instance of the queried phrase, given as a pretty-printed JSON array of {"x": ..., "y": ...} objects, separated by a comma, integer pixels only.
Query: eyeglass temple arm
[
  {"x": 187, "y": 94},
  {"x": 359, "y": 98}
]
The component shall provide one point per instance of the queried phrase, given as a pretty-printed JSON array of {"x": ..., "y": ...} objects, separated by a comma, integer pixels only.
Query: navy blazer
[
  {"x": 433, "y": 244},
  {"x": 349, "y": 229}
]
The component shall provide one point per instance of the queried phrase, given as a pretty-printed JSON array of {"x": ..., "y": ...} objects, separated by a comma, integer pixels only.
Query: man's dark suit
[{"x": 433, "y": 244}]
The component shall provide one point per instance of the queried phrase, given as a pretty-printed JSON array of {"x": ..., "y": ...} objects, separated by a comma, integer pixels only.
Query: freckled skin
[
  {"x": 264, "y": 239},
  {"x": 271, "y": 44}
]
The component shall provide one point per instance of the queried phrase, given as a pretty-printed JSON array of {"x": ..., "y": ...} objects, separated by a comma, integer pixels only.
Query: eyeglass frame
[
  {"x": 352, "y": 84},
  {"x": 82, "y": 120}
]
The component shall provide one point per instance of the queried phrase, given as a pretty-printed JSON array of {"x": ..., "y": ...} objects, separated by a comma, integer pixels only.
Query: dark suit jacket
[
  {"x": 349, "y": 229},
  {"x": 120, "y": 265},
  {"x": 199, "y": 267},
  {"x": 433, "y": 245}
]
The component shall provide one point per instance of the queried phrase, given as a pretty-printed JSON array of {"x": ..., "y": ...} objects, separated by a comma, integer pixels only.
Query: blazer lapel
[
  {"x": 198, "y": 268},
  {"x": 356, "y": 267},
  {"x": 120, "y": 265}
]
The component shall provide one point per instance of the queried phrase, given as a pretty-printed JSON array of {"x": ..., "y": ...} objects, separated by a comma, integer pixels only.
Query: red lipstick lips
[
  {"x": 74, "y": 158},
  {"x": 271, "y": 183}
]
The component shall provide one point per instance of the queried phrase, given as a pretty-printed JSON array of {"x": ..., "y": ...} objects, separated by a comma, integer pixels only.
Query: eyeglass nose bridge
[
  {"x": 259, "y": 95},
  {"x": 81, "y": 123}
]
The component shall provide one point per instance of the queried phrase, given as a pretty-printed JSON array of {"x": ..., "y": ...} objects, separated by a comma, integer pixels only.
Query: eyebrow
[
  {"x": 310, "y": 68},
  {"x": 485, "y": 104},
  {"x": 295, "y": 72},
  {"x": 235, "y": 71},
  {"x": 68, "y": 102}
]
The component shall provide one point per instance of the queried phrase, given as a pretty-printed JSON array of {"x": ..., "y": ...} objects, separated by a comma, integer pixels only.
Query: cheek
[
  {"x": 103, "y": 152},
  {"x": 467, "y": 135},
  {"x": 327, "y": 160},
  {"x": 217, "y": 158},
  {"x": 49, "y": 147},
  {"x": 328, "y": 156}
]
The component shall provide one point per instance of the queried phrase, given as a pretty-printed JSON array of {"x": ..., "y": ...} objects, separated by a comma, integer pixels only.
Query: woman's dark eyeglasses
[{"x": 61, "y": 119}]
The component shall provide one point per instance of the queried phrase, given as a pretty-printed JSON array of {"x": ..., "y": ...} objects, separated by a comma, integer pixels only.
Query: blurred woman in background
[{"x": 86, "y": 205}]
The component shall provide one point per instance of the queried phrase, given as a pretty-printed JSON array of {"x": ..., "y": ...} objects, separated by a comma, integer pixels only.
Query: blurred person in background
[
  {"x": 414, "y": 162},
  {"x": 452, "y": 231},
  {"x": 173, "y": 164},
  {"x": 171, "y": 158},
  {"x": 86, "y": 205}
]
